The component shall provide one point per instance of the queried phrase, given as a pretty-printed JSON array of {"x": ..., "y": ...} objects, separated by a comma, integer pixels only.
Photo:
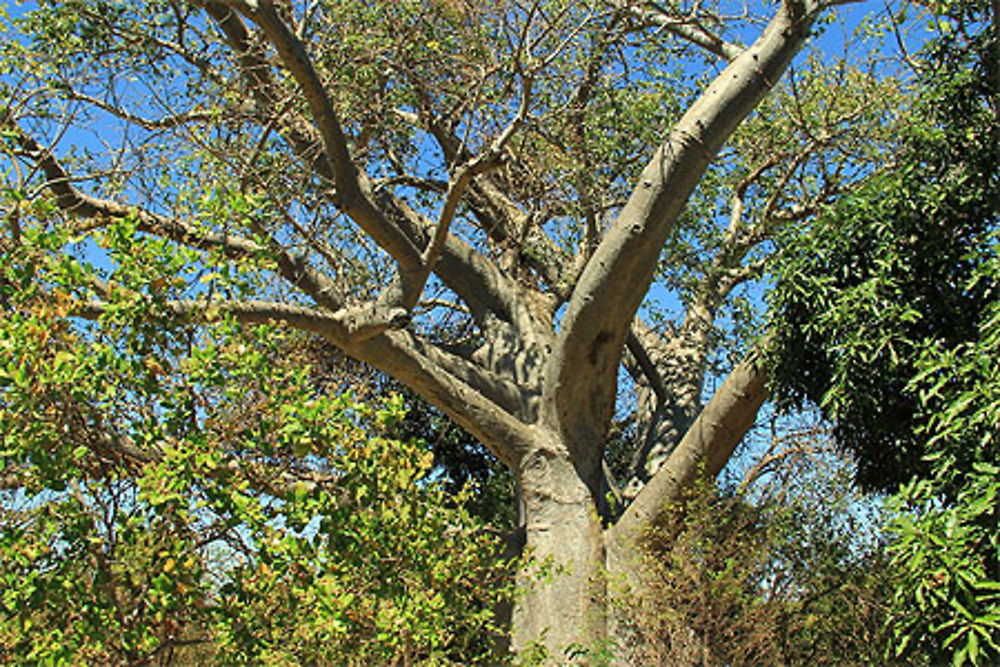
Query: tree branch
[
  {"x": 646, "y": 365},
  {"x": 346, "y": 325},
  {"x": 705, "y": 448},
  {"x": 499, "y": 216},
  {"x": 80, "y": 205},
  {"x": 395, "y": 227},
  {"x": 353, "y": 186},
  {"x": 466, "y": 400},
  {"x": 479, "y": 402},
  {"x": 581, "y": 371},
  {"x": 462, "y": 178},
  {"x": 99, "y": 212},
  {"x": 163, "y": 123},
  {"x": 686, "y": 27}
]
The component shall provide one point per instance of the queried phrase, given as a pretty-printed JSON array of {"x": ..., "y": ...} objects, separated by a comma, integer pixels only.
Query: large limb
[
  {"x": 349, "y": 324},
  {"x": 256, "y": 76},
  {"x": 354, "y": 194},
  {"x": 350, "y": 328},
  {"x": 480, "y": 403},
  {"x": 689, "y": 27},
  {"x": 677, "y": 361},
  {"x": 401, "y": 355},
  {"x": 581, "y": 371}
]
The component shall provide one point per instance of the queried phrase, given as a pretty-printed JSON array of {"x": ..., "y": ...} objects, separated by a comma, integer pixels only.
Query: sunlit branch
[
  {"x": 96, "y": 213},
  {"x": 462, "y": 178},
  {"x": 688, "y": 28},
  {"x": 351, "y": 324},
  {"x": 705, "y": 448},
  {"x": 605, "y": 299}
]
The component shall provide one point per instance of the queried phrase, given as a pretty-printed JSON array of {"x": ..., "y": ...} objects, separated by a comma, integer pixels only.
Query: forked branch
[{"x": 581, "y": 370}]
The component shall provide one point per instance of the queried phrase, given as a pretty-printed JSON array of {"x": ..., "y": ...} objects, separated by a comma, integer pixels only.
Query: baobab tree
[{"x": 474, "y": 199}]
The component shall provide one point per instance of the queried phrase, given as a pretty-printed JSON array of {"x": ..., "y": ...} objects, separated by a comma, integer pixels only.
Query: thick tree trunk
[
  {"x": 583, "y": 588},
  {"x": 561, "y": 607}
]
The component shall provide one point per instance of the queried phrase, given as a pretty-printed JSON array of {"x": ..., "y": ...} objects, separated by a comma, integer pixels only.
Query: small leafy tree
[
  {"x": 243, "y": 512},
  {"x": 889, "y": 319}
]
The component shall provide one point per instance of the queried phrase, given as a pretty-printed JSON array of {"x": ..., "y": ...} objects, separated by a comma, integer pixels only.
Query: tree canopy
[
  {"x": 899, "y": 265},
  {"x": 540, "y": 218}
]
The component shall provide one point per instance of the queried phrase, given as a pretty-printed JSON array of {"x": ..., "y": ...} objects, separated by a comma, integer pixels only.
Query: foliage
[
  {"x": 463, "y": 464},
  {"x": 892, "y": 267},
  {"x": 947, "y": 527},
  {"x": 460, "y": 462},
  {"x": 201, "y": 498},
  {"x": 889, "y": 319},
  {"x": 948, "y": 601}
]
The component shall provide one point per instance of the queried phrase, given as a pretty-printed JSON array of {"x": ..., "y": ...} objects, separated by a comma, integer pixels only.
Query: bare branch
[
  {"x": 347, "y": 325},
  {"x": 98, "y": 212},
  {"x": 577, "y": 120},
  {"x": 463, "y": 176},
  {"x": 353, "y": 186},
  {"x": 645, "y": 364},
  {"x": 163, "y": 123}
]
